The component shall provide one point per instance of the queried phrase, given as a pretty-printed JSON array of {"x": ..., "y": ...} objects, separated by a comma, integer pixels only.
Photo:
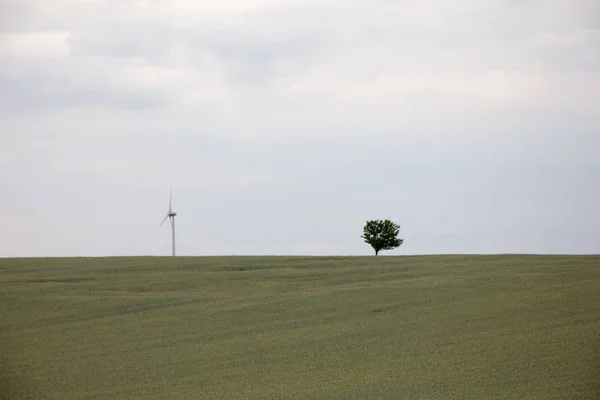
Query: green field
[{"x": 430, "y": 327}]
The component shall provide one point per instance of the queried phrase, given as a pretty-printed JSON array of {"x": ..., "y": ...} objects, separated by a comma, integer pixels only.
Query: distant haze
[{"x": 285, "y": 125}]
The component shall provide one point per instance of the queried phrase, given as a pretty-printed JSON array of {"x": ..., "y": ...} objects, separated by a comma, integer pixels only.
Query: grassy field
[{"x": 435, "y": 327}]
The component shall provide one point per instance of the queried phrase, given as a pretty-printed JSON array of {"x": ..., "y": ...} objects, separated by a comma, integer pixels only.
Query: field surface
[{"x": 431, "y": 327}]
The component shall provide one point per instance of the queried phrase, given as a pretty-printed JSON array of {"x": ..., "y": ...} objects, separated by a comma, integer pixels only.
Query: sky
[{"x": 286, "y": 125}]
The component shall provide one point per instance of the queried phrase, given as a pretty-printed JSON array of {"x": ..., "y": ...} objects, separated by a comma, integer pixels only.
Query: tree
[{"x": 382, "y": 235}]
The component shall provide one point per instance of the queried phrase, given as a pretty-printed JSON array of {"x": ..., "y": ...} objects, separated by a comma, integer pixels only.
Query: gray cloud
[{"x": 473, "y": 124}]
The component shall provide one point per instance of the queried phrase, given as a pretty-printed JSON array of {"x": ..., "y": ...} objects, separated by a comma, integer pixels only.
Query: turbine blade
[
  {"x": 171, "y": 197},
  {"x": 163, "y": 221}
]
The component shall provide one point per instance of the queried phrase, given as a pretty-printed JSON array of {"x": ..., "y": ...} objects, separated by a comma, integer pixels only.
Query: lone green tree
[{"x": 382, "y": 235}]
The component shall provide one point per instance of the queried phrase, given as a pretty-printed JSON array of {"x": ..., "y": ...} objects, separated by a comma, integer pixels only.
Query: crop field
[{"x": 422, "y": 327}]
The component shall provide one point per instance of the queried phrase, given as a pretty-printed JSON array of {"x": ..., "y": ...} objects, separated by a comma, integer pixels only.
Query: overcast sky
[{"x": 285, "y": 125}]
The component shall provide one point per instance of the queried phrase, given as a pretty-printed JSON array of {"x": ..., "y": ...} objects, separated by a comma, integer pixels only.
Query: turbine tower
[{"x": 171, "y": 215}]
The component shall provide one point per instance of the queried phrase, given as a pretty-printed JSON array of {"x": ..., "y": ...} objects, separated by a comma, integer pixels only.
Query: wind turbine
[{"x": 171, "y": 215}]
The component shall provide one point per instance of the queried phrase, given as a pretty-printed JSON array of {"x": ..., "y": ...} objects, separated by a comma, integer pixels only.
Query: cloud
[
  {"x": 309, "y": 54},
  {"x": 296, "y": 121},
  {"x": 34, "y": 44}
]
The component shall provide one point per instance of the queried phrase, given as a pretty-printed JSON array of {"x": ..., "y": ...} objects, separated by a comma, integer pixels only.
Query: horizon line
[{"x": 309, "y": 255}]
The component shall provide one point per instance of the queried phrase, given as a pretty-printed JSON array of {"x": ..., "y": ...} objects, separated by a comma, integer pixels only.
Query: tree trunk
[{"x": 376, "y": 252}]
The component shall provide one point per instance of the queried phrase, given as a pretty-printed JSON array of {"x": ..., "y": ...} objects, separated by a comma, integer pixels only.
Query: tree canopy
[{"x": 382, "y": 235}]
